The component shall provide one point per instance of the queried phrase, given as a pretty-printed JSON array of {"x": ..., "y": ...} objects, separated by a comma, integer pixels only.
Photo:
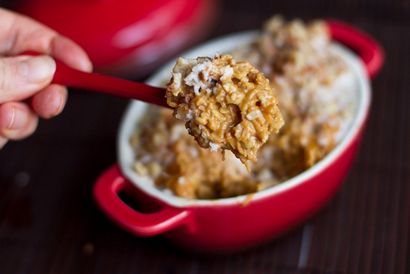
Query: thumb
[{"x": 22, "y": 76}]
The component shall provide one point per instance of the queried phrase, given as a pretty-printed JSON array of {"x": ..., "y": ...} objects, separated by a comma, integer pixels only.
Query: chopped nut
[
  {"x": 88, "y": 248},
  {"x": 140, "y": 168}
]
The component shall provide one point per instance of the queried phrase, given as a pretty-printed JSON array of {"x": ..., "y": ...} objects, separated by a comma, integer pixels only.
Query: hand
[{"x": 25, "y": 89}]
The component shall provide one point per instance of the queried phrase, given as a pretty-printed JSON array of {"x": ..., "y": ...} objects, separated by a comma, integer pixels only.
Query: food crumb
[
  {"x": 88, "y": 248},
  {"x": 247, "y": 199},
  {"x": 22, "y": 179}
]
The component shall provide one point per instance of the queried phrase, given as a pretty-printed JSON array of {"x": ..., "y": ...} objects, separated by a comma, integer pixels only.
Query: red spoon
[{"x": 96, "y": 82}]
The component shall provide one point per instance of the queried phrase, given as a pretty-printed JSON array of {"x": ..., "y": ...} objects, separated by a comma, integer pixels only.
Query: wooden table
[{"x": 49, "y": 223}]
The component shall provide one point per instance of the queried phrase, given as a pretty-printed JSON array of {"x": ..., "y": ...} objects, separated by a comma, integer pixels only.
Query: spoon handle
[{"x": 96, "y": 82}]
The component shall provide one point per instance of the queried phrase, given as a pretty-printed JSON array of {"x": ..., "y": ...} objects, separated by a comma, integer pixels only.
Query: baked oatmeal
[
  {"x": 225, "y": 104},
  {"x": 309, "y": 84},
  {"x": 309, "y": 81},
  {"x": 175, "y": 161}
]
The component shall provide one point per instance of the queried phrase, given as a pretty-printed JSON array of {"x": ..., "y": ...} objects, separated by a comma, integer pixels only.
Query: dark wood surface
[{"x": 49, "y": 223}]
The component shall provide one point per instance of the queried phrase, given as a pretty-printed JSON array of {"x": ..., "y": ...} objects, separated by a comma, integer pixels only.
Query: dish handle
[
  {"x": 368, "y": 49},
  {"x": 106, "y": 191}
]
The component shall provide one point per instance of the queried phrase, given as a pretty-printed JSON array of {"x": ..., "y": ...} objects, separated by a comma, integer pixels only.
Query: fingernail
[
  {"x": 85, "y": 65},
  {"x": 17, "y": 119},
  {"x": 53, "y": 103},
  {"x": 37, "y": 69}
]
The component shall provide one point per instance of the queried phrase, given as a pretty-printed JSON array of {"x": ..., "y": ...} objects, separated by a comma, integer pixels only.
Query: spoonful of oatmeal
[{"x": 226, "y": 104}]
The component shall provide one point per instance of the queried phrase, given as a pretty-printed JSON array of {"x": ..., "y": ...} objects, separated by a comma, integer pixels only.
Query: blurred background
[{"x": 50, "y": 224}]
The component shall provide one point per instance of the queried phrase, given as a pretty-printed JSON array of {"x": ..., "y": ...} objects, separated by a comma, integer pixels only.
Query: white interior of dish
[{"x": 136, "y": 109}]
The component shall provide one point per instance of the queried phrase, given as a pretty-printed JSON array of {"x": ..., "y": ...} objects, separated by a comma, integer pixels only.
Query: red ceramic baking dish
[{"x": 230, "y": 224}]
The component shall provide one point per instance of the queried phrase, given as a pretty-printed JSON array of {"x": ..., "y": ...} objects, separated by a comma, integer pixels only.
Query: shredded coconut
[
  {"x": 194, "y": 78},
  {"x": 227, "y": 72},
  {"x": 146, "y": 158},
  {"x": 177, "y": 80},
  {"x": 183, "y": 61},
  {"x": 176, "y": 132},
  {"x": 168, "y": 192},
  {"x": 184, "y": 116},
  {"x": 193, "y": 151},
  {"x": 265, "y": 175},
  {"x": 189, "y": 115},
  {"x": 214, "y": 147},
  {"x": 181, "y": 180},
  {"x": 253, "y": 115}
]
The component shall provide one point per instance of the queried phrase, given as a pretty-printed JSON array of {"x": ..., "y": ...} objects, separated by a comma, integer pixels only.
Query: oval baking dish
[{"x": 227, "y": 224}]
